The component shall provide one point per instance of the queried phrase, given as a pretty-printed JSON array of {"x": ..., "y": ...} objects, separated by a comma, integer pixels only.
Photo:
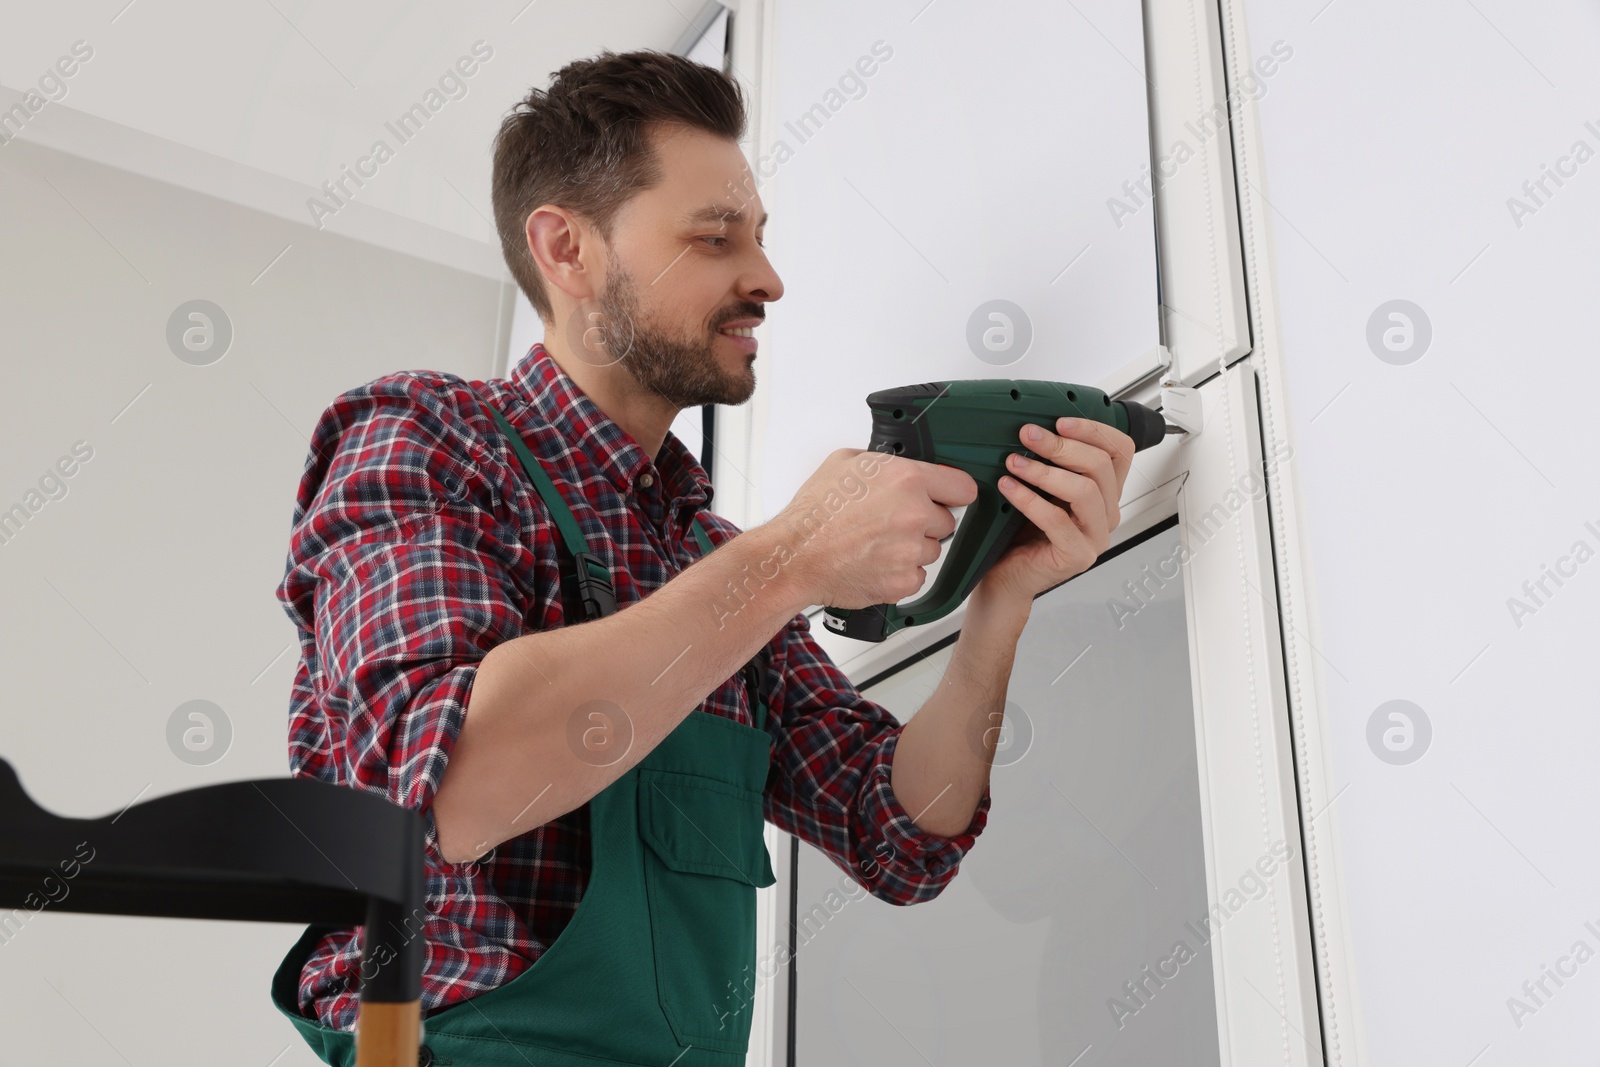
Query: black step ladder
[{"x": 289, "y": 850}]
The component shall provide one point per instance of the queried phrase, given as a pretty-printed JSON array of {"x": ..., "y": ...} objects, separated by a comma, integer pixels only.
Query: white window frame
[
  {"x": 1204, "y": 322},
  {"x": 1262, "y": 958},
  {"x": 1343, "y": 1025},
  {"x": 1218, "y": 332}
]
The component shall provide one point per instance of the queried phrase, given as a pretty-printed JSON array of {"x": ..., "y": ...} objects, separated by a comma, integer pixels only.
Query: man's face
[{"x": 686, "y": 274}]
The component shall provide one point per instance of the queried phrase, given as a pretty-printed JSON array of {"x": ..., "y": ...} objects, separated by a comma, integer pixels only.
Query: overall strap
[
  {"x": 704, "y": 538},
  {"x": 589, "y": 583},
  {"x": 752, "y": 670}
]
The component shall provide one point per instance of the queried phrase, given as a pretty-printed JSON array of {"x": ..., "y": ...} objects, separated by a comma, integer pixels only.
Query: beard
[{"x": 683, "y": 371}]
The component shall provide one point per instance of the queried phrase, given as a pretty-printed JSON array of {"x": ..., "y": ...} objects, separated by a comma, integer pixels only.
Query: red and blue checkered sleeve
[
  {"x": 834, "y": 755},
  {"x": 399, "y": 578}
]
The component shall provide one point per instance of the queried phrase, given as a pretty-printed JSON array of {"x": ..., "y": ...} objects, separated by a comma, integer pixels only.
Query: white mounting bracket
[{"x": 1180, "y": 406}]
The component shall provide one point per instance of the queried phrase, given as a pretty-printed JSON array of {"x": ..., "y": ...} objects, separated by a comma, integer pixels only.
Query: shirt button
[{"x": 647, "y": 479}]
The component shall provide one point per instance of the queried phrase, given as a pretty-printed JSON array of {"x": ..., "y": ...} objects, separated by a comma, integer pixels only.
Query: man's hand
[
  {"x": 865, "y": 527},
  {"x": 1088, "y": 463}
]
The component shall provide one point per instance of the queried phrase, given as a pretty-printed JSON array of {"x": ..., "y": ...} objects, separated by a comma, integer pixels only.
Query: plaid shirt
[{"x": 418, "y": 545}]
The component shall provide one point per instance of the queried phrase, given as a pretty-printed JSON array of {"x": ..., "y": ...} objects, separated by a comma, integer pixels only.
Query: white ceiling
[{"x": 262, "y": 102}]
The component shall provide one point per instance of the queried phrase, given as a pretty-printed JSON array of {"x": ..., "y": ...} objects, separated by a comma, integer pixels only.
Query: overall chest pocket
[{"x": 704, "y": 858}]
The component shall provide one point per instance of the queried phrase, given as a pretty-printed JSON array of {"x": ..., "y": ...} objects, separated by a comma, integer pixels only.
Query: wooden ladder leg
[
  {"x": 389, "y": 1019},
  {"x": 388, "y": 1035}
]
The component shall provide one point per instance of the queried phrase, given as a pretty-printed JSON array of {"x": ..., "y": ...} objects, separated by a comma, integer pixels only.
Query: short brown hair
[{"x": 584, "y": 143}]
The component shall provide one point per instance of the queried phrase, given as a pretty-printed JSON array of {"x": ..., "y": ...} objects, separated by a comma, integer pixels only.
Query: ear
[{"x": 560, "y": 243}]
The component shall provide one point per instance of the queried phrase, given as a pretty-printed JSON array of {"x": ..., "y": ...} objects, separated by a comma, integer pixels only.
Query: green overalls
[{"x": 656, "y": 965}]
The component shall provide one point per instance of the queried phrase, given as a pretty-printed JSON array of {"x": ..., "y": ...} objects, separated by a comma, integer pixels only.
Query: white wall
[
  {"x": 304, "y": 91},
  {"x": 1432, "y": 490},
  {"x": 145, "y": 579}
]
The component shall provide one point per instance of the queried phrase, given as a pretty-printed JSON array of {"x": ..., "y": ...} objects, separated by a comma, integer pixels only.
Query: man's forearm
[
  {"x": 941, "y": 764},
  {"x": 556, "y": 716}
]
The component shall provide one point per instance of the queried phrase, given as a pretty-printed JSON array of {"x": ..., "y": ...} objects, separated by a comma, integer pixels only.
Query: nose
[{"x": 762, "y": 283}]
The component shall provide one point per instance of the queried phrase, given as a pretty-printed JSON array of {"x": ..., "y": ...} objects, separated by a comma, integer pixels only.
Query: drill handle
[{"x": 985, "y": 532}]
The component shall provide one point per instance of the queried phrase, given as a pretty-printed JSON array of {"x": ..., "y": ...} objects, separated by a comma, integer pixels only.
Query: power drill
[{"x": 974, "y": 425}]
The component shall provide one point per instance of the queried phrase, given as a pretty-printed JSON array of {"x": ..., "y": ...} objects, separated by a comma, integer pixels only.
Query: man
[{"x": 593, "y": 789}]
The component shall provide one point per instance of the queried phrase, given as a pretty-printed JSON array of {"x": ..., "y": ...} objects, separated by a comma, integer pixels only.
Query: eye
[{"x": 724, "y": 240}]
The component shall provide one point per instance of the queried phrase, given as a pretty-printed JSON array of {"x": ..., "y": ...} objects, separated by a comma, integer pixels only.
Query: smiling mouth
[{"x": 738, "y": 331}]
